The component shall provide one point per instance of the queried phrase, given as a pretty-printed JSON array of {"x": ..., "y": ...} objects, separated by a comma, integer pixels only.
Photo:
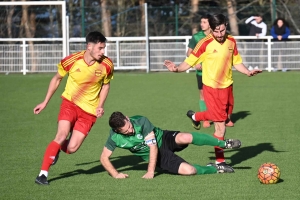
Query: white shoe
[
  {"x": 256, "y": 67},
  {"x": 250, "y": 68},
  {"x": 284, "y": 70}
]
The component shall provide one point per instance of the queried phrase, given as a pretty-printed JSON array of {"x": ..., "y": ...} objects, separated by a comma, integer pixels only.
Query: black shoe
[
  {"x": 196, "y": 125},
  {"x": 232, "y": 144},
  {"x": 41, "y": 180},
  {"x": 56, "y": 158},
  {"x": 222, "y": 167}
]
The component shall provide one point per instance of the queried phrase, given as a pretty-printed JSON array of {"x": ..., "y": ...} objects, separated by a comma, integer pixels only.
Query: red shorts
[
  {"x": 80, "y": 120},
  {"x": 219, "y": 102}
]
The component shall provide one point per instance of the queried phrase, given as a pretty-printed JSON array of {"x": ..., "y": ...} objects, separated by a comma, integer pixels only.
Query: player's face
[
  {"x": 220, "y": 33},
  {"x": 127, "y": 129},
  {"x": 204, "y": 24},
  {"x": 97, "y": 50}
]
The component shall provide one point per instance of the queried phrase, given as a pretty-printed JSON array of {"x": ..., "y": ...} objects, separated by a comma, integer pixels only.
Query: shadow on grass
[
  {"x": 246, "y": 153},
  {"x": 239, "y": 115},
  {"x": 130, "y": 162}
]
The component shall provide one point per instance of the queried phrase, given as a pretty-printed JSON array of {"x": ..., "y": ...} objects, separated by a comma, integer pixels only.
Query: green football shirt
[
  {"x": 135, "y": 143},
  {"x": 193, "y": 42}
]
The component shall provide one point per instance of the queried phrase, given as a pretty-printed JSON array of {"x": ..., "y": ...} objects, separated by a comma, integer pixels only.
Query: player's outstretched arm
[
  {"x": 104, "y": 159},
  {"x": 241, "y": 68},
  {"x": 173, "y": 68},
  {"x": 54, "y": 83}
]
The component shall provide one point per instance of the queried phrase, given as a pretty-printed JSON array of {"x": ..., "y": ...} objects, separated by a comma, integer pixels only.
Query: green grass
[{"x": 266, "y": 116}]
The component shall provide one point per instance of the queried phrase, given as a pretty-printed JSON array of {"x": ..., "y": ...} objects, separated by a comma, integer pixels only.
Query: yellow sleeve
[
  {"x": 61, "y": 70},
  {"x": 193, "y": 60},
  {"x": 237, "y": 59}
]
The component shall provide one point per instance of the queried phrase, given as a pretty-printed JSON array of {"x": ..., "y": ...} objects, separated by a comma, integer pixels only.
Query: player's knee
[
  {"x": 60, "y": 138},
  {"x": 187, "y": 169},
  {"x": 72, "y": 148},
  {"x": 184, "y": 138}
]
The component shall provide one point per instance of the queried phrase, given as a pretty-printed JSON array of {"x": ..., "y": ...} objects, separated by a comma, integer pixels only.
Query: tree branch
[{"x": 291, "y": 17}]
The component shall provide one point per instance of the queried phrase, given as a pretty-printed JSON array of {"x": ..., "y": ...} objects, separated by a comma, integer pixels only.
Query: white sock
[
  {"x": 43, "y": 172},
  {"x": 194, "y": 117}
]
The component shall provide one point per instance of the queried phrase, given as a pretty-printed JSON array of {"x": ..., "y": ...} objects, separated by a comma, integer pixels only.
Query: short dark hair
[
  {"x": 217, "y": 20},
  {"x": 205, "y": 16},
  {"x": 95, "y": 37},
  {"x": 117, "y": 120}
]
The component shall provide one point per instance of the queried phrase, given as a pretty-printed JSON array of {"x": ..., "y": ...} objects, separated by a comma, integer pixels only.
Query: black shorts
[
  {"x": 199, "y": 81},
  {"x": 167, "y": 159}
]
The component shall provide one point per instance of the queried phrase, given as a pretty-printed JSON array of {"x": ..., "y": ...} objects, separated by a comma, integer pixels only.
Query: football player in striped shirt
[
  {"x": 218, "y": 53},
  {"x": 89, "y": 74}
]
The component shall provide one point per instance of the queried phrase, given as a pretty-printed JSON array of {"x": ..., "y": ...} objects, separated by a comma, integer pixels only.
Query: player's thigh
[
  {"x": 76, "y": 140},
  {"x": 169, "y": 161},
  {"x": 183, "y": 138},
  {"x": 63, "y": 129},
  {"x": 81, "y": 129},
  {"x": 186, "y": 169}
]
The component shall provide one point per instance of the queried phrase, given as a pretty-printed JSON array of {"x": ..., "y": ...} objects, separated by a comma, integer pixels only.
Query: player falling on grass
[
  {"x": 205, "y": 30},
  {"x": 138, "y": 135},
  {"x": 218, "y": 53},
  {"x": 89, "y": 74}
]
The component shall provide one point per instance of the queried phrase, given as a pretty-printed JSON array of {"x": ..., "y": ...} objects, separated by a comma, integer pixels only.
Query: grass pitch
[{"x": 266, "y": 116}]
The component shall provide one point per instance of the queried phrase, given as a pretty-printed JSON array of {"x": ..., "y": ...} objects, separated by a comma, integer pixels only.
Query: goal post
[{"x": 45, "y": 3}]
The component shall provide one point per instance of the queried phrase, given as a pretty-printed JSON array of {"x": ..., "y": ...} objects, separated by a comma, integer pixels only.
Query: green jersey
[
  {"x": 135, "y": 143},
  {"x": 193, "y": 42}
]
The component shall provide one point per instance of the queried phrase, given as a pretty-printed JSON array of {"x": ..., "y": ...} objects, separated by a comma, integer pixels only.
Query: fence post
[
  {"x": 269, "y": 43},
  {"x": 24, "y": 55},
  {"x": 186, "y": 49},
  {"x": 118, "y": 53}
]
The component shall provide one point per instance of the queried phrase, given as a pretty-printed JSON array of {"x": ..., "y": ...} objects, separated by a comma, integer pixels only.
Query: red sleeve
[{"x": 68, "y": 61}]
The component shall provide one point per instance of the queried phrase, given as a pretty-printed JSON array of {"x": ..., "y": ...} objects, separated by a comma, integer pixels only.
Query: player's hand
[
  {"x": 121, "y": 176},
  {"x": 254, "y": 72},
  {"x": 198, "y": 67},
  {"x": 149, "y": 175},
  {"x": 279, "y": 37},
  {"x": 171, "y": 66},
  {"x": 99, "y": 111},
  {"x": 39, "y": 108}
]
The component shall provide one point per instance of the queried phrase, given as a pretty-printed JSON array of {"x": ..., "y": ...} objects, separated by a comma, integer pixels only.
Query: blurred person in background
[{"x": 280, "y": 32}]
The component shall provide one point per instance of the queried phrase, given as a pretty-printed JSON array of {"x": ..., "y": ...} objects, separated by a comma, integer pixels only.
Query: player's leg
[
  {"x": 66, "y": 118},
  {"x": 202, "y": 104},
  {"x": 219, "y": 114},
  {"x": 81, "y": 129},
  {"x": 219, "y": 134},
  {"x": 229, "y": 123},
  {"x": 196, "y": 117},
  {"x": 201, "y": 139},
  {"x": 52, "y": 151}
]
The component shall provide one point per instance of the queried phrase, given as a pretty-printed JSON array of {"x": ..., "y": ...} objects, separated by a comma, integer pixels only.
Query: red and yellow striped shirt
[
  {"x": 217, "y": 60},
  {"x": 85, "y": 81}
]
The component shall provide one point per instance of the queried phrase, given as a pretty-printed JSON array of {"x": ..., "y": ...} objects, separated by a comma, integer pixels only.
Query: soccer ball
[{"x": 268, "y": 173}]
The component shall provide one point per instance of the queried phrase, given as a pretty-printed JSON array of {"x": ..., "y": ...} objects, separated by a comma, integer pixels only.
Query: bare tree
[
  {"x": 291, "y": 18},
  {"x": 142, "y": 13},
  {"x": 29, "y": 27},
  {"x": 106, "y": 15},
  {"x": 194, "y": 18},
  {"x": 9, "y": 20},
  {"x": 231, "y": 9}
]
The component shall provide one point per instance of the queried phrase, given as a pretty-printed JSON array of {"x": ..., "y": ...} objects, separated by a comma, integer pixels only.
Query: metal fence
[{"x": 130, "y": 53}]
